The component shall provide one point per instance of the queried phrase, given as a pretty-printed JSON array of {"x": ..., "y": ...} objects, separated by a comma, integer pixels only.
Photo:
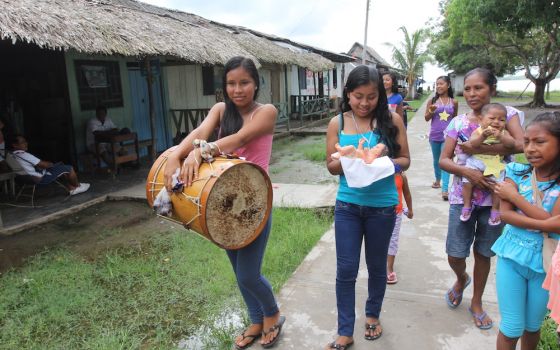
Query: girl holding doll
[{"x": 364, "y": 214}]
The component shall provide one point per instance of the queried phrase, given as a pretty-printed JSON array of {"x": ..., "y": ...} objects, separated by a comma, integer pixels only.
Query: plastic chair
[{"x": 28, "y": 182}]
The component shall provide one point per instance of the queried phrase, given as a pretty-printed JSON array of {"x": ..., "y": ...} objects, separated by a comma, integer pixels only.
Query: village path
[{"x": 415, "y": 314}]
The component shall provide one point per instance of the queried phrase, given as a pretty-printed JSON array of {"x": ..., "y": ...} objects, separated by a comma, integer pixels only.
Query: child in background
[
  {"x": 402, "y": 188},
  {"x": 492, "y": 130},
  {"x": 519, "y": 273},
  {"x": 440, "y": 110}
]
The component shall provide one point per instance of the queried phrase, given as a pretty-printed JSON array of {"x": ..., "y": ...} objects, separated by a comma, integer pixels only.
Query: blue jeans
[
  {"x": 354, "y": 223},
  {"x": 440, "y": 174},
  {"x": 255, "y": 289}
]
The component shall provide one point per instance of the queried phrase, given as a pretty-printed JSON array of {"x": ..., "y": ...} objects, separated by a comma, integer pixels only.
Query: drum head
[{"x": 237, "y": 205}]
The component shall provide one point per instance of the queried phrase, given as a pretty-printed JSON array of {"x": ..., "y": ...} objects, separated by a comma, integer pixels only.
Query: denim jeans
[
  {"x": 354, "y": 223},
  {"x": 255, "y": 289},
  {"x": 439, "y": 174}
]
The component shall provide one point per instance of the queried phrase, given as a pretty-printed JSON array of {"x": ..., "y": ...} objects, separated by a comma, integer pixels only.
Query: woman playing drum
[{"x": 246, "y": 128}]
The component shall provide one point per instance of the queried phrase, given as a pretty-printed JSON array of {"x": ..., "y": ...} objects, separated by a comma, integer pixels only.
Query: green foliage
[
  {"x": 149, "y": 295},
  {"x": 315, "y": 152},
  {"x": 549, "y": 338},
  {"x": 411, "y": 55},
  {"x": 508, "y": 34}
]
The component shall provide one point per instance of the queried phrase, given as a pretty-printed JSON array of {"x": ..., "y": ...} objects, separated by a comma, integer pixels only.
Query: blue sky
[{"x": 333, "y": 25}]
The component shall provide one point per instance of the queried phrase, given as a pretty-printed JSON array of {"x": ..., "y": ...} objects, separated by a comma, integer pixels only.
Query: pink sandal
[
  {"x": 494, "y": 219},
  {"x": 392, "y": 278},
  {"x": 465, "y": 214}
]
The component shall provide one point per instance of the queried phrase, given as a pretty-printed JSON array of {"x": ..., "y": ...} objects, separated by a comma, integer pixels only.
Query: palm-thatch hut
[{"x": 61, "y": 58}]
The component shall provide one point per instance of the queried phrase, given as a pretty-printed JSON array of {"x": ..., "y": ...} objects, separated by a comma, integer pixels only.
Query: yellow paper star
[
  {"x": 493, "y": 164},
  {"x": 444, "y": 116}
]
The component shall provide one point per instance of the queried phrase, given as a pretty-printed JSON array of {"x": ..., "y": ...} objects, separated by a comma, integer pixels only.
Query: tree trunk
[
  {"x": 538, "y": 97},
  {"x": 410, "y": 94}
]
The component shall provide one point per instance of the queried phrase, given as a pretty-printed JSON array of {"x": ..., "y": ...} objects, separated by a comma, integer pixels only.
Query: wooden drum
[{"x": 229, "y": 203}]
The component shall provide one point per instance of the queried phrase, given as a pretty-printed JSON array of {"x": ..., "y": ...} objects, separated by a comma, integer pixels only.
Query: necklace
[
  {"x": 360, "y": 133},
  {"x": 446, "y": 103}
]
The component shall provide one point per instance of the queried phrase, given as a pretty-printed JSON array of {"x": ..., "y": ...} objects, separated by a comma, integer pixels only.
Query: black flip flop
[
  {"x": 277, "y": 326},
  {"x": 372, "y": 327},
  {"x": 253, "y": 338},
  {"x": 336, "y": 346}
]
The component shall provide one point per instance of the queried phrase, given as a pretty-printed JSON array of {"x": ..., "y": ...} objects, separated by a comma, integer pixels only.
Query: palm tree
[{"x": 411, "y": 55}]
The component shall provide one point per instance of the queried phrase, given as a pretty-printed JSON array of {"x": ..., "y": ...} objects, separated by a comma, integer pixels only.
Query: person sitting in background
[
  {"x": 44, "y": 172},
  {"x": 103, "y": 125}
]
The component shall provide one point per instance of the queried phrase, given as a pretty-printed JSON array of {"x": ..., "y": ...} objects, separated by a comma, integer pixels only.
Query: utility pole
[{"x": 365, "y": 34}]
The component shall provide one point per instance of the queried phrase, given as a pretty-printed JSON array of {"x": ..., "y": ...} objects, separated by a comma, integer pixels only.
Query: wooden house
[{"x": 62, "y": 58}]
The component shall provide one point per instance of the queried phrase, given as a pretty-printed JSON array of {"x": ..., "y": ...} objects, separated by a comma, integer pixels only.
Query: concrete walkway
[{"x": 415, "y": 314}]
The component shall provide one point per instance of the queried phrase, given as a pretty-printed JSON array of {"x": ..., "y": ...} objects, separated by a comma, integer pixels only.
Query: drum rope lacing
[{"x": 194, "y": 200}]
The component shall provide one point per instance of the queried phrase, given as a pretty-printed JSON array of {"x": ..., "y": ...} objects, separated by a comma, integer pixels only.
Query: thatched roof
[{"x": 132, "y": 28}]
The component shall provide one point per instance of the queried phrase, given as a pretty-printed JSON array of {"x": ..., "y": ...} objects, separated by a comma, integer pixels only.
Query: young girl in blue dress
[
  {"x": 519, "y": 272},
  {"x": 367, "y": 213}
]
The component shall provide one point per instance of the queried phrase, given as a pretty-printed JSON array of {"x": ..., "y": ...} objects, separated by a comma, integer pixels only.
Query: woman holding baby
[{"x": 366, "y": 213}]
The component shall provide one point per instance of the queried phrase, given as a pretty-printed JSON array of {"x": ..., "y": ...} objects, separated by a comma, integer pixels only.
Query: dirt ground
[
  {"x": 90, "y": 232},
  {"x": 115, "y": 224},
  {"x": 289, "y": 165}
]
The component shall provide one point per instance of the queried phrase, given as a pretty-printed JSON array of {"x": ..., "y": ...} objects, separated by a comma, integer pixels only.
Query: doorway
[
  {"x": 141, "y": 110},
  {"x": 34, "y": 99}
]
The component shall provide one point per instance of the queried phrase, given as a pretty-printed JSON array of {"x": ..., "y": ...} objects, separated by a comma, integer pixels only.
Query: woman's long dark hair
[
  {"x": 449, "y": 89},
  {"x": 394, "y": 82},
  {"x": 232, "y": 120},
  {"x": 551, "y": 122},
  {"x": 363, "y": 75}
]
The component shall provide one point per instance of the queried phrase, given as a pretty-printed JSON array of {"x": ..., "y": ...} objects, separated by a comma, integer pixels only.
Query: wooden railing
[
  {"x": 309, "y": 106},
  {"x": 186, "y": 120}
]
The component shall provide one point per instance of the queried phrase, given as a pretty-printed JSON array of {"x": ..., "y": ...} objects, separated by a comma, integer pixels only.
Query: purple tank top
[{"x": 440, "y": 120}]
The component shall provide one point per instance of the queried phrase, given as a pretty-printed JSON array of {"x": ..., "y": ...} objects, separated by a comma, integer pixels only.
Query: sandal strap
[
  {"x": 336, "y": 346},
  {"x": 271, "y": 329},
  {"x": 371, "y": 326},
  {"x": 252, "y": 336}
]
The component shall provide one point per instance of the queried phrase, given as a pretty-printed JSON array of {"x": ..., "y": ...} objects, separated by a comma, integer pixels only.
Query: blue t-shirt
[
  {"x": 382, "y": 193},
  {"x": 394, "y": 101},
  {"x": 519, "y": 244}
]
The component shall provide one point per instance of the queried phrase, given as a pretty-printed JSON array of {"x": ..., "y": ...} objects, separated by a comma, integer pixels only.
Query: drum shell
[{"x": 185, "y": 210}]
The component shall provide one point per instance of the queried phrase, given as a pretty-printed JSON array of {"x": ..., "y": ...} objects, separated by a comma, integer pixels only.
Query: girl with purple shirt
[{"x": 440, "y": 110}]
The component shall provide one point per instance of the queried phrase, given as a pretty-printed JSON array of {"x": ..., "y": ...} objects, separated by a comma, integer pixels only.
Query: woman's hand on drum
[
  {"x": 477, "y": 179},
  {"x": 173, "y": 163},
  {"x": 189, "y": 170}
]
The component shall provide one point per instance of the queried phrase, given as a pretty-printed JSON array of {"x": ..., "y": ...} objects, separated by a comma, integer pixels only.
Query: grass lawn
[
  {"x": 150, "y": 294},
  {"x": 415, "y": 104}
]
